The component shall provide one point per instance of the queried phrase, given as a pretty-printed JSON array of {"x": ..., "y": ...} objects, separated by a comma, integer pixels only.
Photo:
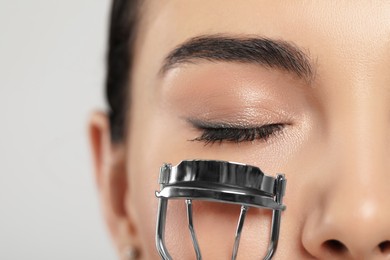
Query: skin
[{"x": 334, "y": 152}]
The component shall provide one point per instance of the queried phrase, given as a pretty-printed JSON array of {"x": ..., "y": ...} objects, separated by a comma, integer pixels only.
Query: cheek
[{"x": 150, "y": 144}]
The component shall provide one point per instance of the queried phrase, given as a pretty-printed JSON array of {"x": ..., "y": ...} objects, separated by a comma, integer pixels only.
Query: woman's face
[{"x": 329, "y": 107}]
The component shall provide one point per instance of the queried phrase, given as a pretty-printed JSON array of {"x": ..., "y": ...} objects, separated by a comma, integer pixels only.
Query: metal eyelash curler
[{"x": 219, "y": 181}]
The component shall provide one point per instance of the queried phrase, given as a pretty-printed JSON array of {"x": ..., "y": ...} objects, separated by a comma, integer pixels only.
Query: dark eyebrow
[{"x": 263, "y": 51}]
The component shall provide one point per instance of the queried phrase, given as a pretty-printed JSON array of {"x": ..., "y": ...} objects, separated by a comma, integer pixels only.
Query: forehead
[
  {"x": 270, "y": 17},
  {"x": 330, "y": 31}
]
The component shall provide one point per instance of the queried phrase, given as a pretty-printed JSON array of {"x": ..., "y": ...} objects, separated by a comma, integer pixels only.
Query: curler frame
[{"x": 220, "y": 181}]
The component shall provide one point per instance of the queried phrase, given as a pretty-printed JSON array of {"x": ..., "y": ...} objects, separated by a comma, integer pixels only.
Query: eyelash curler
[{"x": 219, "y": 181}]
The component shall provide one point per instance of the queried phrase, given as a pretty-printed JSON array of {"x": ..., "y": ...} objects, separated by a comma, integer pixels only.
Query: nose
[
  {"x": 350, "y": 216},
  {"x": 358, "y": 230}
]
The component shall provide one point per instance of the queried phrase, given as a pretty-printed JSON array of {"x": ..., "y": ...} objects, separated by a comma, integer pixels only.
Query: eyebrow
[{"x": 276, "y": 54}]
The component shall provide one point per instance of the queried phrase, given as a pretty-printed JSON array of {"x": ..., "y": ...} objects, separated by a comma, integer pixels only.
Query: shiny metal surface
[
  {"x": 192, "y": 230},
  {"x": 220, "y": 181},
  {"x": 240, "y": 225},
  {"x": 222, "y": 174}
]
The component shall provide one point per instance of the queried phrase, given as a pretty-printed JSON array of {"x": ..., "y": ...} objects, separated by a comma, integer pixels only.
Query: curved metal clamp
[{"x": 219, "y": 181}]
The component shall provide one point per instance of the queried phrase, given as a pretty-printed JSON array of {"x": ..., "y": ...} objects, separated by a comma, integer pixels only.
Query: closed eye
[{"x": 215, "y": 132}]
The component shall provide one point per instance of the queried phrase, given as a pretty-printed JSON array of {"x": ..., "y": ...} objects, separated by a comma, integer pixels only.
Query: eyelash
[{"x": 213, "y": 134}]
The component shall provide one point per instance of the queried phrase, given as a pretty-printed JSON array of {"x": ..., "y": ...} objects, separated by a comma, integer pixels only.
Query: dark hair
[{"x": 122, "y": 34}]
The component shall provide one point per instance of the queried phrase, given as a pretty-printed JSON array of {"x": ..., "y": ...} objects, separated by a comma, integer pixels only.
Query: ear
[{"x": 111, "y": 179}]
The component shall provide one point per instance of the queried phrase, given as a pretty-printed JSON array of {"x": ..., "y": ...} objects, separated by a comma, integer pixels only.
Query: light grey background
[{"x": 51, "y": 77}]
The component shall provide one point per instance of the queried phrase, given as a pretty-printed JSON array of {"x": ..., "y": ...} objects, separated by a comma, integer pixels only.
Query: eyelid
[
  {"x": 203, "y": 124},
  {"x": 215, "y": 132}
]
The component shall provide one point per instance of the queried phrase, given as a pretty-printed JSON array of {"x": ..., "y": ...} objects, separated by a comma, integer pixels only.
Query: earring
[{"x": 131, "y": 253}]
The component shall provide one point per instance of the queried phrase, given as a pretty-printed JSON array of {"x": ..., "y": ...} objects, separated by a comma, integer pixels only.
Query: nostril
[
  {"x": 335, "y": 246},
  {"x": 385, "y": 247}
]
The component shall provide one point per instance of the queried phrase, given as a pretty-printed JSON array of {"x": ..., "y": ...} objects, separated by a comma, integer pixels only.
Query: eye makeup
[{"x": 216, "y": 132}]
